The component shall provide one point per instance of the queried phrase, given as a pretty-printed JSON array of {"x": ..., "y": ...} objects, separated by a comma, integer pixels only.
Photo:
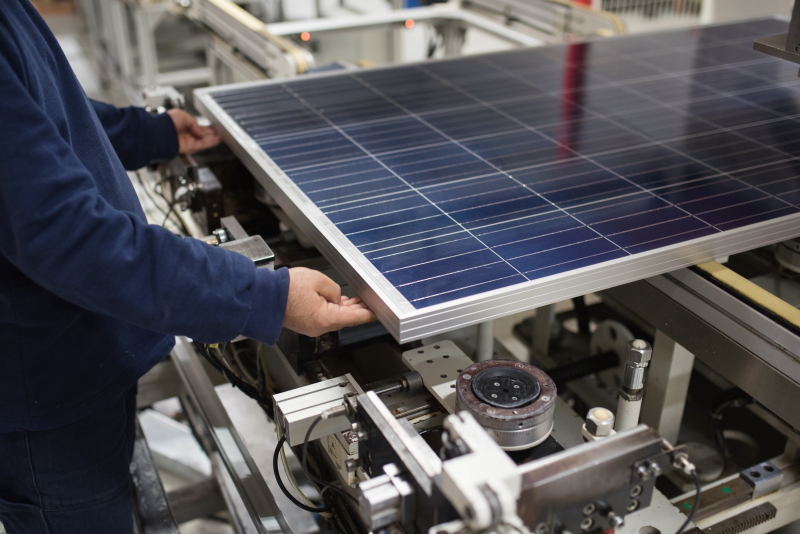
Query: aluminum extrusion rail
[
  {"x": 739, "y": 342},
  {"x": 249, "y": 482}
]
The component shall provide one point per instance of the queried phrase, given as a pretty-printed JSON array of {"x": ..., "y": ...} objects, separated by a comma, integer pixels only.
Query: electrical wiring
[
  {"x": 290, "y": 475},
  {"x": 304, "y": 462},
  {"x": 179, "y": 223},
  {"x": 285, "y": 491},
  {"x": 732, "y": 398},
  {"x": 265, "y": 401},
  {"x": 696, "y": 503},
  {"x": 170, "y": 212}
]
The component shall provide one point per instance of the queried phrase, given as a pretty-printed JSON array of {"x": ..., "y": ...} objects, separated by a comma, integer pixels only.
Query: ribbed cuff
[
  {"x": 270, "y": 292},
  {"x": 165, "y": 138}
]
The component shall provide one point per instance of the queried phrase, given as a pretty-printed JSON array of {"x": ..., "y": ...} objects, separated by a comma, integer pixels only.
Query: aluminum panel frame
[{"x": 407, "y": 323}]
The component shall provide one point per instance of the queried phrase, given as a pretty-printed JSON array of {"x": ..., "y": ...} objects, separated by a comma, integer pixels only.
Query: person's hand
[
  {"x": 316, "y": 305},
  {"x": 191, "y": 136}
]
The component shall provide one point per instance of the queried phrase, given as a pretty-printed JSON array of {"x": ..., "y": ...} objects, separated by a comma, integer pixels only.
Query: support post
[
  {"x": 667, "y": 385},
  {"x": 485, "y": 344}
]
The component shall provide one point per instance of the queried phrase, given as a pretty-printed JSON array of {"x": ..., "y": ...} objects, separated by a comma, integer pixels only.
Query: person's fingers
[
  {"x": 343, "y": 316},
  {"x": 329, "y": 289},
  {"x": 197, "y": 130},
  {"x": 189, "y": 144}
]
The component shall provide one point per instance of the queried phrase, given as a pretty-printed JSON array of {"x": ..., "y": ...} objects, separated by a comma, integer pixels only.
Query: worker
[{"x": 91, "y": 296}]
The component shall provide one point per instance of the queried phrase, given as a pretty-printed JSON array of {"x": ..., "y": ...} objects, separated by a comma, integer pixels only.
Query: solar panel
[{"x": 452, "y": 192}]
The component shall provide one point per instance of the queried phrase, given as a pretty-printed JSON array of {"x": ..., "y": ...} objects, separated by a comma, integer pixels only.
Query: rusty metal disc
[{"x": 515, "y": 424}]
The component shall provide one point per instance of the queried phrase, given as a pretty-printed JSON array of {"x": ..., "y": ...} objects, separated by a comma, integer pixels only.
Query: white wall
[{"x": 725, "y": 10}]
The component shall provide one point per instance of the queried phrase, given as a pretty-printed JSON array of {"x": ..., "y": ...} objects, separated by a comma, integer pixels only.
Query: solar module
[{"x": 452, "y": 192}]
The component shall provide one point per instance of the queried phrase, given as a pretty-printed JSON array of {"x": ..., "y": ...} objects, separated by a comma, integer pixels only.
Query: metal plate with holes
[
  {"x": 764, "y": 478},
  {"x": 439, "y": 365}
]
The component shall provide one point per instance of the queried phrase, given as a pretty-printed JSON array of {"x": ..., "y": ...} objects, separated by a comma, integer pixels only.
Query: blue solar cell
[{"x": 459, "y": 177}]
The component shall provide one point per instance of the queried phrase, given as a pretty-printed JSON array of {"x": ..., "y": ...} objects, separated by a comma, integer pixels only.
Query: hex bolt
[
  {"x": 600, "y": 422},
  {"x": 614, "y": 520}
]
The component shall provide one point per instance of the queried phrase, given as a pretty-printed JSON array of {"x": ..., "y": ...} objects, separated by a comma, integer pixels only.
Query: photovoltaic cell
[{"x": 459, "y": 177}]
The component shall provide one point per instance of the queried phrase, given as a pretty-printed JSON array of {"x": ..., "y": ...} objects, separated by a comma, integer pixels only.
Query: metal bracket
[{"x": 764, "y": 478}]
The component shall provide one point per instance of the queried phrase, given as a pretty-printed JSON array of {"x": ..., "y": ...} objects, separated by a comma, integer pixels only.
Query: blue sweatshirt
[{"x": 91, "y": 296}]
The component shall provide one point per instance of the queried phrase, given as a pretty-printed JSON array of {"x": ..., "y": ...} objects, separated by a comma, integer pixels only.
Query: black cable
[
  {"x": 304, "y": 463},
  {"x": 696, "y": 503},
  {"x": 266, "y": 402},
  {"x": 158, "y": 206},
  {"x": 285, "y": 491},
  {"x": 732, "y": 398},
  {"x": 171, "y": 210}
]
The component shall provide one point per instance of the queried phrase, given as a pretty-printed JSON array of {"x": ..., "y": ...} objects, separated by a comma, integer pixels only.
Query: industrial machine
[{"x": 630, "y": 190}]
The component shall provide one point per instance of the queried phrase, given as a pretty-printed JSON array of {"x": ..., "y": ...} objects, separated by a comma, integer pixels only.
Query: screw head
[
  {"x": 589, "y": 509},
  {"x": 643, "y": 472},
  {"x": 636, "y": 491},
  {"x": 632, "y": 506},
  {"x": 545, "y": 398},
  {"x": 615, "y": 520},
  {"x": 587, "y": 523},
  {"x": 542, "y": 528},
  {"x": 467, "y": 377},
  {"x": 654, "y": 469},
  {"x": 519, "y": 365}
]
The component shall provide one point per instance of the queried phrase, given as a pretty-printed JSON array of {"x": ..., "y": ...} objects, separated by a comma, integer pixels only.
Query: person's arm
[
  {"x": 61, "y": 233},
  {"x": 138, "y": 137}
]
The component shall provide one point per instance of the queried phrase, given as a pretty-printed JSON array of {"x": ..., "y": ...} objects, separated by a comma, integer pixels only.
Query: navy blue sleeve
[
  {"x": 59, "y": 231},
  {"x": 138, "y": 137}
]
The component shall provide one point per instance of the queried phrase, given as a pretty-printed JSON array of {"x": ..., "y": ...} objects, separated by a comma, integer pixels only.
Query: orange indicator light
[
  {"x": 409, "y": 24},
  {"x": 305, "y": 36}
]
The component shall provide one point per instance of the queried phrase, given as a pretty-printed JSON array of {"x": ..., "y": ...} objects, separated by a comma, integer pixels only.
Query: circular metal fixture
[
  {"x": 506, "y": 387},
  {"x": 513, "y": 401}
]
